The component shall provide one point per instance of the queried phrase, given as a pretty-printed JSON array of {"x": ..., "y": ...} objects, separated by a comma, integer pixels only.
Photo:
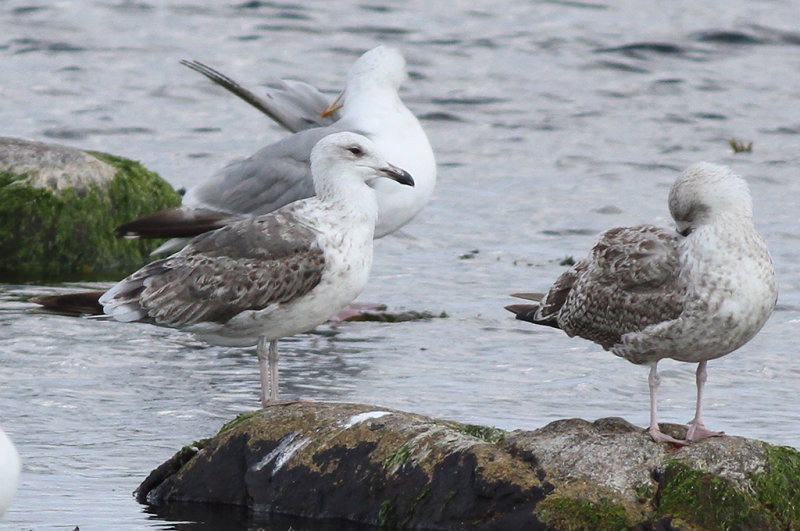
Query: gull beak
[
  {"x": 333, "y": 107},
  {"x": 397, "y": 174}
]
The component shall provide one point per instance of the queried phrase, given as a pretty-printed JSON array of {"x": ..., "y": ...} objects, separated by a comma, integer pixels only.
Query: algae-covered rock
[
  {"x": 399, "y": 470},
  {"x": 609, "y": 474},
  {"x": 59, "y": 207},
  {"x": 356, "y": 463}
]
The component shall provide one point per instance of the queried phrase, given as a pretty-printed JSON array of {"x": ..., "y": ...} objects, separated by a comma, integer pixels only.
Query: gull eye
[{"x": 356, "y": 150}]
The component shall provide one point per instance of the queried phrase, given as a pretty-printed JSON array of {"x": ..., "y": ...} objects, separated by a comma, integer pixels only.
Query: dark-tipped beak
[{"x": 398, "y": 175}]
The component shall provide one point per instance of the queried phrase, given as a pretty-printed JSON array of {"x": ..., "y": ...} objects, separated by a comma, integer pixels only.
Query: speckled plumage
[
  {"x": 263, "y": 278},
  {"x": 646, "y": 293},
  {"x": 608, "y": 295},
  {"x": 244, "y": 266}
]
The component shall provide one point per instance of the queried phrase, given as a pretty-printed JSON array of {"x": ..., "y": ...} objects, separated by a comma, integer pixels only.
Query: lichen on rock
[{"x": 59, "y": 207}]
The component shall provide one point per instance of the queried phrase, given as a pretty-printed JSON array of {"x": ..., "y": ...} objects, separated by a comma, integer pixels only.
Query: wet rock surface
[
  {"x": 59, "y": 207},
  {"x": 393, "y": 469}
]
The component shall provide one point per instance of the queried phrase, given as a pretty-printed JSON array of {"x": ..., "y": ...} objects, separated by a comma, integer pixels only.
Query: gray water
[{"x": 551, "y": 121}]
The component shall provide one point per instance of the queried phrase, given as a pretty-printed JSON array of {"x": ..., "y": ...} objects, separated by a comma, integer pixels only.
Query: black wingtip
[
  {"x": 523, "y": 312},
  {"x": 527, "y": 313},
  {"x": 72, "y": 304},
  {"x": 172, "y": 223}
]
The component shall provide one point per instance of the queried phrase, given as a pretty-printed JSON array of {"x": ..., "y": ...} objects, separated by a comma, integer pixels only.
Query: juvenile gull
[
  {"x": 272, "y": 276},
  {"x": 647, "y": 293},
  {"x": 279, "y": 173}
]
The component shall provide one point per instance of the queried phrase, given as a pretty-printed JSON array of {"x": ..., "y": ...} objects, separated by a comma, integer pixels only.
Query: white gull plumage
[
  {"x": 10, "y": 467},
  {"x": 647, "y": 293},
  {"x": 279, "y": 173},
  {"x": 271, "y": 276}
]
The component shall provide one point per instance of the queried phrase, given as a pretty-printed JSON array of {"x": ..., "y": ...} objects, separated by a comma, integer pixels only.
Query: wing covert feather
[
  {"x": 247, "y": 265},
  {"x": 629, "y": 281}
]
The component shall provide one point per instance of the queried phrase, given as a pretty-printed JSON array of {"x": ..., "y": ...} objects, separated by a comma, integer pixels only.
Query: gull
[
  {"x": 10, "y": 467},
  {"x": 257, "y": 280},
  {"x": 279, "y": 173},
  {"x": 647, "y": 293}
]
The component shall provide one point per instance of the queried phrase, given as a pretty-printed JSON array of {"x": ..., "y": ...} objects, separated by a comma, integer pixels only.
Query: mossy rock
[
  {"x": 59, "y": 207},
  {"x": 701, "y": 500},
  {"x": 396, "y": 470}
]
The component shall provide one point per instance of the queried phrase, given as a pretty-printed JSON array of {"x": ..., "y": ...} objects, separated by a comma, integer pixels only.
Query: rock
[
  {"x": 381, "y": 314},
  {"x": 59, "y": 207},
  {"x": 400, "y": 470}
]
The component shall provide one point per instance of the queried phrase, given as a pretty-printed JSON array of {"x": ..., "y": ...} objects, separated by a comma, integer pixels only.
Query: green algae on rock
[
  {"x": 398, "y": 470},
  {"x": 59, "y": 207}
]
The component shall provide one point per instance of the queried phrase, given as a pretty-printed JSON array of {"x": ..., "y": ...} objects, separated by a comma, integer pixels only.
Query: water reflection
[{"x": 210, "y": 517}]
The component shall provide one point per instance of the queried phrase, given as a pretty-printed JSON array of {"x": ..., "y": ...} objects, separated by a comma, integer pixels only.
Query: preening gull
[
  {"x": 647, "y": 293},
  {"x": 279, "y": 173},
  {"x": 271, "y": 276},
  {"x": 294, "y": 105},
  {"x": 10, "y": 466}
]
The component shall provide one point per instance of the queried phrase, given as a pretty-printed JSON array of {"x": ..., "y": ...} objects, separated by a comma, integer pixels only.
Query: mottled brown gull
[
  {"x": 279, "y": 173},
  {"x": 647, "y": 293},
  {"x": 272, "y": 276}
]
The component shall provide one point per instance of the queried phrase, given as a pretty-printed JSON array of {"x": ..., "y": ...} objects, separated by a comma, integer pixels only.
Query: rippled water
[{"x": 551, "y": 121}]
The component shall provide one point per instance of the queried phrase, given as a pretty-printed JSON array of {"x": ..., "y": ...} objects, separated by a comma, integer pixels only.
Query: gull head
[
  {"x": 377, "y": 72},
  {"x": 342, "y": 160},
  {"x": 705, "y": 192},
  {"x": 383, "y": 65}
]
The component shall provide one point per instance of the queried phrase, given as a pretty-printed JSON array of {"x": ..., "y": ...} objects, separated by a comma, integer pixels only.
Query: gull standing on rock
[
  {"x": 646, "y": 293},
  {"x": 272, "y": 276},
  {"x": 279, "y": 173}
]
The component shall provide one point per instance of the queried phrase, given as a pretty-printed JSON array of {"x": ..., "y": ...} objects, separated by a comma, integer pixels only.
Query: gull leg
[
  {"x": 263, "y": 364},
  {"x": 273, "y": 370},
  {"x": 268, "y": 368},
  {"x": 655, "y": 432},
  {"x": 697, "y": 430}
]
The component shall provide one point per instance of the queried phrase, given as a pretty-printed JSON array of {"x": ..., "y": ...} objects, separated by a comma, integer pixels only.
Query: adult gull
[
  {"x": 257, "y": 280},
  {"x": 647, "y": 293},
  {"x": 279, "y": 173}
]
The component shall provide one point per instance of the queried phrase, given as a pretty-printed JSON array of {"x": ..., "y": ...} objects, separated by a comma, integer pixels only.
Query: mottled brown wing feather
[
  {"x": 551, "y": 304},
  {"x": 247, "y": 265},
  {"x": 629, "y": 281}
]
